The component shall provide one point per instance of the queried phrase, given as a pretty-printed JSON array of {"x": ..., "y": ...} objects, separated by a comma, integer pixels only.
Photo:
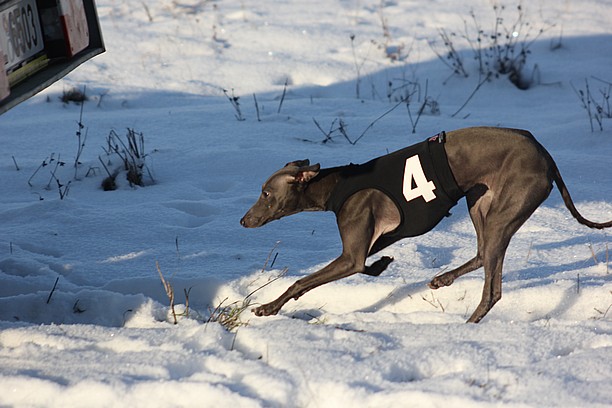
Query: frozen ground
[{"x": 104, "y": 336}]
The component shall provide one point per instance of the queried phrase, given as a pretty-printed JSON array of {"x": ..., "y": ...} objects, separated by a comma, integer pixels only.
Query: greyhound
[{"x": 504, "y": 174}]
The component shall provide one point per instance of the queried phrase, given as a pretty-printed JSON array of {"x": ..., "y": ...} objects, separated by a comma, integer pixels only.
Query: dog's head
[{"x": 281, "y": 194}]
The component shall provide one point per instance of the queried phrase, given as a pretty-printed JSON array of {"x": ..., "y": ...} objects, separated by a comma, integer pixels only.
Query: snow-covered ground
[{"x": 104, "y": 336}]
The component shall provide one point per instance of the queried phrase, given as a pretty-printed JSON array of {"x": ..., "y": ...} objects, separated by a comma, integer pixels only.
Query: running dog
[{"x": 504, "y": 175}]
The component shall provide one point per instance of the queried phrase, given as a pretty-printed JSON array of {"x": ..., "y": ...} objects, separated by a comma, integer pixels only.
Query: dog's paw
[
  {"x": 386, "y": 260},
  {"x": 268, "y": 309},
  {"x": 378, "y": 267},
  {"x": 441, "y": 281}
]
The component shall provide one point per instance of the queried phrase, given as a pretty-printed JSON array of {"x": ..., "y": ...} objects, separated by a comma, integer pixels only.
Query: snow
[{"x": 105, "y": 335}]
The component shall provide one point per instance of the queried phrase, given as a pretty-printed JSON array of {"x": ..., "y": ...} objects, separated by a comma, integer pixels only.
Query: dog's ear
[
  {"x": 307, "y": 173},
  {"x": 298, "y": 163}
]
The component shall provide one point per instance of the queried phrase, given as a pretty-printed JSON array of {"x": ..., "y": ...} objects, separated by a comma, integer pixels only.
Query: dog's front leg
[
  {"x": 338, "y": 269},
  {"x": 359, "y": 226}
]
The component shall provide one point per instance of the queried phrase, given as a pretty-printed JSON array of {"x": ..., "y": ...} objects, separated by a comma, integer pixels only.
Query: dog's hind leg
[
  {"x": 497, "y": 237},
  {"x": 479, "y": 202},
  {"x": 447, "y": 278},
  {"x": 510, "y": 208}
]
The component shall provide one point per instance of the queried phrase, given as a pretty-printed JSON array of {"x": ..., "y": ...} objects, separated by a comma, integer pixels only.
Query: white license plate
[{"x": 20, "y": 34}]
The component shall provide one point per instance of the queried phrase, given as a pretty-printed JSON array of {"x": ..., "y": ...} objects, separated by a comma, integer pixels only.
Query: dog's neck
[{"x": 319, "y": 189}]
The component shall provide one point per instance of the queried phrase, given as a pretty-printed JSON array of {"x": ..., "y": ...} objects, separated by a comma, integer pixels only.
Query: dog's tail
[{"x": 567, "y": 199}]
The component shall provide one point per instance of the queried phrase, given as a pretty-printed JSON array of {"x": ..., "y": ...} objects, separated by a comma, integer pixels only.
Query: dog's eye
[{"x": 265, "y": 194}]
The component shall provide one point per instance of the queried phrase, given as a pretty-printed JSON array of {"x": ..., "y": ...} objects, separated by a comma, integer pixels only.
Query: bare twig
[
  {"x": 280, "y": 275},
  {"x": 282, "y": 99},
  {"x": 62, "y": 188},
  {"x": 265, "y": 265},
  {"x": 426, "y": 101},
  {"x": 357, "y": 68},
  {"x": 187, "y": 292},
  {"x": 371, "y": 125},
  {"x": 452, "y": 58},
  {"x": 434, "y": 302},
  {"x": 273, "y": 260},
  {"x": 58, "y": 163},
  {"x": 328, "y": 134},
  {"x": 480, "y": 84},
  {"x": 256, "y": 108},
  {"x": 146, "y": 8},
  {"x": 52, "y": 290},
  {"x": 342, "y": 126},
  {"x": 104, "y": 165},
  {"x": 596, "y": 110},
  {"x": 603, "y": 314},
  {"x": 342, "y": 129},
  {"x": 40, "y": 166},
  {"x": 80, "y": 139},
  {"x": 234, "y": 100},
  {"x": 15, "y": 162},
  {"x": 585, "y": 99}
]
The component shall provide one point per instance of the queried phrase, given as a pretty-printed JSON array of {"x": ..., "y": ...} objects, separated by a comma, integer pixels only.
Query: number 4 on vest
[{"x": 415, "y": 181}]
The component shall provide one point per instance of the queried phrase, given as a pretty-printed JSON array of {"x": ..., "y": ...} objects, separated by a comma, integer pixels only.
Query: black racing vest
[{"x": 417, "y": 178}]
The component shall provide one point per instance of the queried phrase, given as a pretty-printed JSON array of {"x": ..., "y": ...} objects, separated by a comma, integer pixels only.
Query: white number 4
[{"x": 414, "y": 176}]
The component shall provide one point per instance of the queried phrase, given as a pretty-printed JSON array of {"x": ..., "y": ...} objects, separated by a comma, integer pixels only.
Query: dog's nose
[{"x": 243, "y": 221}]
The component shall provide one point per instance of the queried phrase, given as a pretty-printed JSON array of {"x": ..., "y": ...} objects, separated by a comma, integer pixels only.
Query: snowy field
[{"x": 84, "y": 317}]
